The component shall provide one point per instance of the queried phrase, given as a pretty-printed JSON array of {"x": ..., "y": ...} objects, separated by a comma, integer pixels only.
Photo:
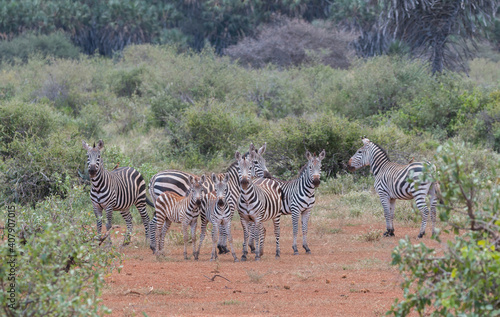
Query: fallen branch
[{"x": 216, "y": 275}]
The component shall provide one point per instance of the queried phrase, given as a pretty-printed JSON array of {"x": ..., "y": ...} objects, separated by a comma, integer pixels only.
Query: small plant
[
  {"x": 255, "y": 277},
  {"x": 371, "y": 236}
]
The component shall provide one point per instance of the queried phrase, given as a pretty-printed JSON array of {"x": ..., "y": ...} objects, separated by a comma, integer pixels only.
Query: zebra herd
[{"x": 246, "y": 186}]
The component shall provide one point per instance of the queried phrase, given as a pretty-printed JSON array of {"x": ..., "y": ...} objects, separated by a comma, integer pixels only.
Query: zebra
[
  {"x": 172, "y": 207},
  {"x": 177, "y": 182},
  {"x": 259, "y": 201},
  {"x": 396, "y": 181},
  {"x": 118, "y": 189},
  {"x": 218, "y": 213},
  {"x": 298, "y": 196}
]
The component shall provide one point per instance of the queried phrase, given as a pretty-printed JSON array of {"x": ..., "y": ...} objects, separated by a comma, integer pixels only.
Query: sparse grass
[
  {"x": 231, "y": 302},
  {"x": 371, "y": 236},
  {"x": 160, "y": 292},
  {"x": 255, "y": 277}
]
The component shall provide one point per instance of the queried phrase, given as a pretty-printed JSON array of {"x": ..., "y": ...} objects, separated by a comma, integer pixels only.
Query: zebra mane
[{"x": 383, "y": 150}]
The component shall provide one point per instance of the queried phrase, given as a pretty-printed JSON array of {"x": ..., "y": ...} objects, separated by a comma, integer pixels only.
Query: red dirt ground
[{"x": 344, "y": 276}]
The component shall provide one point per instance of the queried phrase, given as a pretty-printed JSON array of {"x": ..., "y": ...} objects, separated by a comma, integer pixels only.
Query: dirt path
[{"x": 345, "y": 275}]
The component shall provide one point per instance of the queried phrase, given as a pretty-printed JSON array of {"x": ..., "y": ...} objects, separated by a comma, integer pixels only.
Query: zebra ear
[
  {"x": 365, "y": 141},
  {"x": 308, "y": 155},
  {"x": 226, "y": 178},
  {"x": 214, "y": 178},
  {"x": 237, "y": 155},
  {"x": 322, "y": 155},
  {"x": 85, "y": 145},
  {"x": 191, "y": 180},
  {"x": 262, "y": 149},
  {"x": 100, "y": 145},
  {"x": 252, "y": 148},
  {"x": 202, "y": 179}
]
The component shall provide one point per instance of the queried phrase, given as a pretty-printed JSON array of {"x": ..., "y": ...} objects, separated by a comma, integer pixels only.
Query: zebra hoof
[
  {"x": 236, "y": 260},
  {"x": 257, "y": 258},
  {"x": 243, "y": 258},
  {"x": 421, "y": 235},
  {"x": 389, "y": 233}
]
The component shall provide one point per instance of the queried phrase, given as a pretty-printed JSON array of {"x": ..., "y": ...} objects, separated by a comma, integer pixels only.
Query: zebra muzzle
[
  {"x": 316, "y": 182},
  {"x": 198, "y": 202},
  {"x": 220, "y": 202},
  {"x": 244, "y": 183}
]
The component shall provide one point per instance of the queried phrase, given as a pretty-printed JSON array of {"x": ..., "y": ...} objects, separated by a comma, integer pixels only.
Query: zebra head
[
  {"x": 361, "y": 158},
  {"x": 245, "y": 168},
  {"x": 259, "y": 168},
  {"x": 196, "y": 189},
  {"x": 314, "y": 166},
  {"x": 93, "y": 157},
  {"x": 221, "y": 189}
]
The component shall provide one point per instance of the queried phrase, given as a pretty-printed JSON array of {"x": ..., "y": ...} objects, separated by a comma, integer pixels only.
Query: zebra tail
[
  {"x": 149, "y": 202},
  {"x": 437, "y": 192}
]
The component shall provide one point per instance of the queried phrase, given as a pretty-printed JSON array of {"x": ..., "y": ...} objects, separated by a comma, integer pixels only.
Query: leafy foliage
[
  {"x": 464, "y": 278},
  {"x": 60, "y": 267}
]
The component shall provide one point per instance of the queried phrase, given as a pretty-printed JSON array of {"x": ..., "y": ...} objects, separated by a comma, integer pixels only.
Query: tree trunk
[{"x": 438, "y": 55}]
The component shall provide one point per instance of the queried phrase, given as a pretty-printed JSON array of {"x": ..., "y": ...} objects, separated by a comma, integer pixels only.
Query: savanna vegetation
[{"x": 191, "y": 102}]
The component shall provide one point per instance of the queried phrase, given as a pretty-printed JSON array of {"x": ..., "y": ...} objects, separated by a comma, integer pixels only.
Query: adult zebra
[
  {"x": 171, "y": 207},
  {"x": 118, "y": 189},
  {"x": 218, "y": 213},
  {"x": 298, "y": 196},
  {"x": 178, "y": 182},
  {"x": 392, "y": 182},
  {"x": 259, "y": 201}
]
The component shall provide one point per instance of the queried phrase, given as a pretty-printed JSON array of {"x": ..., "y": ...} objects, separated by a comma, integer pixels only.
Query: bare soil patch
[{"x": 346, "y": 275}]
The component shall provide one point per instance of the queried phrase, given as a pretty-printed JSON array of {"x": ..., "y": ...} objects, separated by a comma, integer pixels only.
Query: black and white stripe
[
  {"x": 178, "y": 182},
  {"x": 171, "y": 207},
  {"x": 392, "y": 182},
  {"x": 298, "y": 196},
  {"x": 118, "y": 189},
  {"x": 259, "y": 201},
  {"x": 217, "y": 211}
]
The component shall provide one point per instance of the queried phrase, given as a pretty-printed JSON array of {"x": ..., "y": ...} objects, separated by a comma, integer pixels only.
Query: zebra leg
[
  {"x": 246, "y": 228},
  {"x": 141, "y": 207},
  {"x": 215, "y": 234},
  {"x": 158, "y": 248},
  {"x": 251, "y": 242},
  {"x": 424, "y": 211},
  {"x": 98, "y": 215},
  {"x": 257, "y": 235},
  {"x": 385, "y": 201},
  {"x": 128, "y": 219},
  {"x": 276, "y": 222},
  {"x": 230, "y": 239},
  {"x": 194, "y": 222},
  {"x": 305, "y": 223},
  {"x": 262, "y": 234},
  {"x": 186, "y": 238},
  {"x": 163, "y": 233},
  {"x": 392, "y": 210},
  {"x": 109, "y": 217},
  {"x": 222, "y": 244},
  {"x": 295, "y": 224},
  {"x": 433, "y": 203},
  {"x": 152, "y": 234},
  {"x": 203, "y": 232}
]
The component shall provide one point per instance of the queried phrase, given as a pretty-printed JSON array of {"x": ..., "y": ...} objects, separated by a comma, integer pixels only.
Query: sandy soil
[{"x": 345, "y": 275}]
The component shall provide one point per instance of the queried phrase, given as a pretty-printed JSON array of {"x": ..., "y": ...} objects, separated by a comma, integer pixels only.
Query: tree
[{"x": 430, "y": 26}]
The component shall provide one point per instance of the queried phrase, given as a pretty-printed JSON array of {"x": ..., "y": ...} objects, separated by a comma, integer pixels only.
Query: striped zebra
[
  {"x": 298, "y": 196},
  {"x": 177, "y": 182},
  {"x": 171, "y": 207},
  {"x": 392, "y": 182},
  {"x": 118, "y": 189},
  {"x": 218, "y": 213},
  {"x": 259, "y": 201}
]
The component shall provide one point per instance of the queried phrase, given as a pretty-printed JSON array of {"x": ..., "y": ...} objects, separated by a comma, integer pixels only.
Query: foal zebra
[
  {"x": 259, "y": 201},
  {"x": 178, "y": 182},
  {"x": 391, "y": 183},
  {"x": 118, "y": 189},
  {"x": 216, "y": 210},
  {"x": 171, "y": 207}
]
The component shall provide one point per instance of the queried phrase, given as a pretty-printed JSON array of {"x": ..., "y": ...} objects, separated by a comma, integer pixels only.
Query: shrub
[
  {"x": 464, "y": 279},
  {"x": 293, "y": 42},
  {"x": 128, "y": 82},
  {"x": 60, "y": 268},
  {"x": 21, "y": 48}
]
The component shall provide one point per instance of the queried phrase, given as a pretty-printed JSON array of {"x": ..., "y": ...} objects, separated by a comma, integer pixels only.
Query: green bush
[
  {"x": 60, "y": 267},
  {"x": 288, "y": 139},
  {"x": 463, "y": 280},
  {"x": 56, "y": 45}
]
